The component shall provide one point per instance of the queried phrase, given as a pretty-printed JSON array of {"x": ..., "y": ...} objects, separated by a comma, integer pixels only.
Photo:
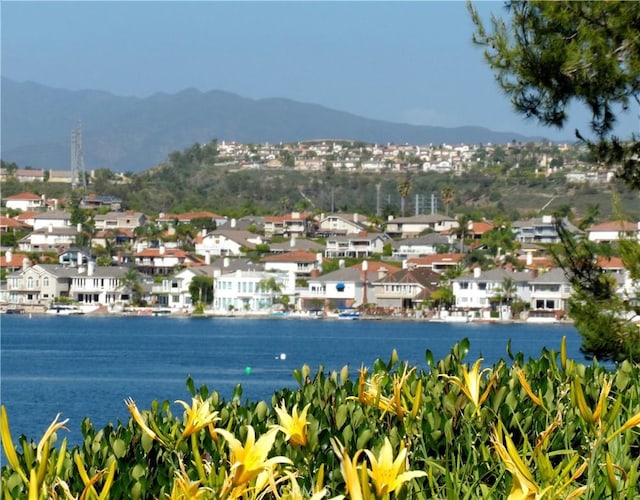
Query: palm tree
[
  {"x": 447, "y": 194},
  {"x": 131, "y": 281},
  {"x": 507, "y": 291},
  {"x": 404, "y": 188}
]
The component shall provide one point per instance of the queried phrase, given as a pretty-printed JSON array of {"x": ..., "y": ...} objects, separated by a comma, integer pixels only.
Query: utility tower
[{"x": 78, "y": 176}]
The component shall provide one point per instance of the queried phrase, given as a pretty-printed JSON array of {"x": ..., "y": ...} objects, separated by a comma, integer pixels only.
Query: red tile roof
[
  {"x": 24, "y": 196},
  {"x": 614, "y": 226},
  {"x": 294, "y": 256}
]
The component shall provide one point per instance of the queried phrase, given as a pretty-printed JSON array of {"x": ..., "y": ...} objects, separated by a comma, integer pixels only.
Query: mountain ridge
[{"x": 126, "y": 133}]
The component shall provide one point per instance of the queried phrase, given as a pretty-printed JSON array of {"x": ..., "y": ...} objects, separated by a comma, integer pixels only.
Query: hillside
[{"x": 134, "y": 134}]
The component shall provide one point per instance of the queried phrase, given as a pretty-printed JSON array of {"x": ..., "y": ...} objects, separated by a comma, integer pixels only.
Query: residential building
[
  {"x": 93, "y": 201},
  {"x": 47, "y": 239},
  {"x": 341, "y": 289},
  {"x": 25, "y": 202},
  {"x": 299, "y": 262},
  {"x": 355, "y": 245},
  {"x": 406, "y": 289},
  {"x": 29, "y": 175},
  {"x": 421, "y": 245},
  {"x": 550, "y": 293},
  {"x": 251, "y": 291},
  {"x": 173, "y": 291},
  {"x": 120, "y": 220},
  {"x": 189, "y": 217},
  {"x": 539, "y": 230},
  {"x": 299, "y": 244},
  {"x": 227, "y": 242},
  {"x": 409, "y": 227},
  {"x": 52, "y": 219},
  {"x": 163, "y": 261},
  {"x": 61, "y": 176},
  {"x": 440, "y": 262},
  {"x": 476, "y": 291},
  {"x": 295, "y": 223},
  {"x": 612, "y": 231},
  {"x": 340, "y": 225}
]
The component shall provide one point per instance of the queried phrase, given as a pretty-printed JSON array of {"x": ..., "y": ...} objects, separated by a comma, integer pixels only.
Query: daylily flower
[
  {"x": 7, "y": 445},
  {"x": 388, "y": 475},
  {"x": 294, "y": 426},
  {"x": 90, "y": 482},
  {"x": 349, "y": 470},
  {"x": 471, "y": 384},
  {"x": 587, "y": 414},
  {"x": 527, "y": 388},
  {"x": 295, "y": 493},
  {"x": 524, "y": 486},
  {"x": 249, "y": 460},
  {"x": 629, "y": 424},
  {"x": 199, "y": 416},
  {"x": 135, "y": 413},
  {"x": 185, "y": 489}
]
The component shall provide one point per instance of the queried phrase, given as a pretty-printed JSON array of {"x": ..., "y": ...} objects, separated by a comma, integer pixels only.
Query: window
[{"x": 45, "y": 281}]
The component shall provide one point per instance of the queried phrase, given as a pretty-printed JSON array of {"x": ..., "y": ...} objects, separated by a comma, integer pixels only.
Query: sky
[{"x": 405, "y": 62}]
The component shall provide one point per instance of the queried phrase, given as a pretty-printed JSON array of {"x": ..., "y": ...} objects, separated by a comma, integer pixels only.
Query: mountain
[{"x": 134, "y": 134}]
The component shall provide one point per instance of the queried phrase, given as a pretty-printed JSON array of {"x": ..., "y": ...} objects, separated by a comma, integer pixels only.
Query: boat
[
  {"x": 64, "y": 310},
  {"x": 349, "y": 314}
]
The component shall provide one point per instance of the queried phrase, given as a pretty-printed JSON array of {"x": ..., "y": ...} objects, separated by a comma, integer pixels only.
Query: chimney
[
  {"x": 355, "y": 218},
  {"x": 405, "y": 264},
  {"x": 382, "y": 273},
  {"x": 51, "y": 228},
  {"x": 161, "y": 250},
  {"x": 315, "y": 273},
  {"x": 25, "y": 263},
  {"x": 341, "y": 263},
  {"x": 79, "y": 228},
  {"x": 476, "y": 272},
  {"x": 8, "y": 256},
  {"x": 217, "y": 273},
  {"x": 79, "y": 258},
  {"x": 292, "y": 242},
  {"x": 233, "y": 223},
  {"x": 119, "y": 257},
  {"x": 529, "y": 258},
  {"x": 225, "y": 262},
  {"x": 91, "y": 267},
  {"x": 207, "y": 258}
]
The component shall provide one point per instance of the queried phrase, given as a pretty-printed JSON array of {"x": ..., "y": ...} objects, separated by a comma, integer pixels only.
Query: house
[
  {"x": 93, "y": 201},
  {"x": 440, "y": 262},
  {"x": 295, "y": 223},
  {"x": 539, "y": 230},
  {"x": 10, "y": 225},
  {"x": 299, "y": 262},
  {"x": 478, "y": 290},
  {"x": 227, "y": 242},
  {"x": 301, "y": 244},
  {"x": 173, "y": 291},
  {"x": 355, "y": 245},
  {"x": 611, "y": 231},
  {"x": 120, "y": 220},
  {"x": 62, "y": 176},
  {"x": 99, "y": 285},
  {"x": 29, "y": 175},
  {"x": 52, "y": 219},
  {"x": 27, "y": 218},
  {"x": 13, "y": 261},
  {"x": 251, "y": 291},
  {"x": 163, "y": 261},
  {"x": 406, "y": 288},
  {"x": 422, "y": 245},
  {"x": 74, "y": 257},
  {"x": 409, "y": 227},
  {"x": 47, "y": 239},
  {"x": 476, "y": 229},
  {"x": 116, "y": 237},
  {"x": 341, "y": 289},
  {"x": 38, "y": 285},
  {"x": 340, "y": 225},
  {"x": 25, "y": 202},
  {"x": 549, "y": 296},
  {"x": 189, "y": 217}
]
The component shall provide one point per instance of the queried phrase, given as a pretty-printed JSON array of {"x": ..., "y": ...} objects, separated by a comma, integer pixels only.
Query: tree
[
  {"x": 404, "y": 188},
  {"x": 132, "y": 282},
  {"x": 546, "y": 56},
  {"x": 448, "y": 194},
  {"x": 201, "y": 290},
  {"x": 549, "y": 54}
]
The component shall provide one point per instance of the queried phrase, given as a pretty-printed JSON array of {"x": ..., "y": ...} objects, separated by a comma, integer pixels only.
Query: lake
[{"x": 87, "y": 365}]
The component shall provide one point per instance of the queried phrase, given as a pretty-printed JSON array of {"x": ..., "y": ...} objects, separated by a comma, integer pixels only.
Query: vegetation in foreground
[{"x": 540, "y": 428}]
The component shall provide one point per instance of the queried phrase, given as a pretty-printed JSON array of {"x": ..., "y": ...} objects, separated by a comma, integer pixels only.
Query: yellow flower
[
  {"x": 295, "y": 493},
  {"x": 294, "y": 426},
  {"x": 349, "y": 470},
  {"x": 90, "y": 482},
  {"x": 527, "y": 388},
  {"x": 135, "y": 413},
  {"x": 7, "y": 445},
  {"x": 388, "y": 474},
  {"x": 524, "y": 486},
  {"x": 251, "y": 459},
  {"x": 199, "y": 416},
  {"x": 184, "y": 488},
  {"x": 370, "y": 393},
  {"x": 471, "y": 384},
  {"x": 629, "y": 424}
]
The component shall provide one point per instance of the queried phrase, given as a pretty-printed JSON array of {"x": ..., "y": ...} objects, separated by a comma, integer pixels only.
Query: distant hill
[{"x": 134, "y": 134}]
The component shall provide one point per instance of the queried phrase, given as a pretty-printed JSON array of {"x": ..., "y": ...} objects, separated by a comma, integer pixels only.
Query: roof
[
  {"x": 23, "y": 197},
  {"x": 481, "y": 227},
  {"x": 497, "y": 275},
  {"x": 53, "y": 214},
  {"x": 187, "y": 216},
  {"x": 375, "y": 266},
  {"x": 610, "y": 263},
  {"x": 555, "y": 275},
  {"x": 8, "y": 222},
  {"x": 289, "y": 217},
  {"x": 427, "y": 239},
  {"x": 421, "y": 275},
  {"x": 295, "y": 256},
  {"x": 422, "y": 219},
  {"x": 16, "y": 260},
  {"x": 299, "y": 244},
  {"x": 437, "y": 258},
  {"x": 615, "y": 226}
]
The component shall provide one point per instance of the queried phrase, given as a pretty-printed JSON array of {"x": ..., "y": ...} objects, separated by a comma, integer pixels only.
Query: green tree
[
  {"x": 546, "y": 56},
  {"x": 132, "y": 282},
  {"x": 550, "y": 54},
  {"x": 201, "y": 290},
  {"x": 404, "y": 188},
  {"x": 448, "y": 194}
]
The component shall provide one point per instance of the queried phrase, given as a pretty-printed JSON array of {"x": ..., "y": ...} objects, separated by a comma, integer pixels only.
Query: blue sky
[{"x": 408, "y": 62}]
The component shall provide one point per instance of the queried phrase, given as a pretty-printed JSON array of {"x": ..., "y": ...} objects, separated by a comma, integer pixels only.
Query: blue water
[{"x": 86, "y": 366}]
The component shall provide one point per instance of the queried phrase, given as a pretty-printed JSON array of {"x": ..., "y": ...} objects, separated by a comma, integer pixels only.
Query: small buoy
[
  {"x": 247, "y": 370},
  {"x": 283, "y": 356}
]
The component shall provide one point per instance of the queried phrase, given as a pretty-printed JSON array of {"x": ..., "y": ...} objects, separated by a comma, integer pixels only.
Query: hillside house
[
  {"x": 248, "y": 291},
  {"x": 296, "y": 223},
  {"x": 612, "y": 231},
  {"x": 227, "y": 242},
  {"x": 421, "y": 245},
  {"x": 406, "y": 289},
  {"x": 410, "y": 227},
  {"x": 299, "y": 262},
  {"x": 355, "y": 245},
  {"x": 340, "y": 225},
  {"x": 25, "y": 202},
  {"x": 163, "y": 261}
]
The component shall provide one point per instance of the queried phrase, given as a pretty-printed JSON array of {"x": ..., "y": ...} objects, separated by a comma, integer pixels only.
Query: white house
[
  {"x": 355, "y": 245},
  {"x": 341, "y": 289},
  {"x": 550, "y": 293},
  {"x": 173, "y": 291},
  {"x": 613, "y": 231},
  {"x": 422, "y": 245},
  {"x": 25, "y": 202},
  {"x": 55, "y": 219},
  {"x": 340, "y": 224},
  {"x": 299, "y": 262},
  {"x": 227, "y": 242},
  {"x": 250, "y": 291},
  {"x": 120, "y": 220},
  {"x": 408, "y": 227},
  {"x": 51, "y": 238}
]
